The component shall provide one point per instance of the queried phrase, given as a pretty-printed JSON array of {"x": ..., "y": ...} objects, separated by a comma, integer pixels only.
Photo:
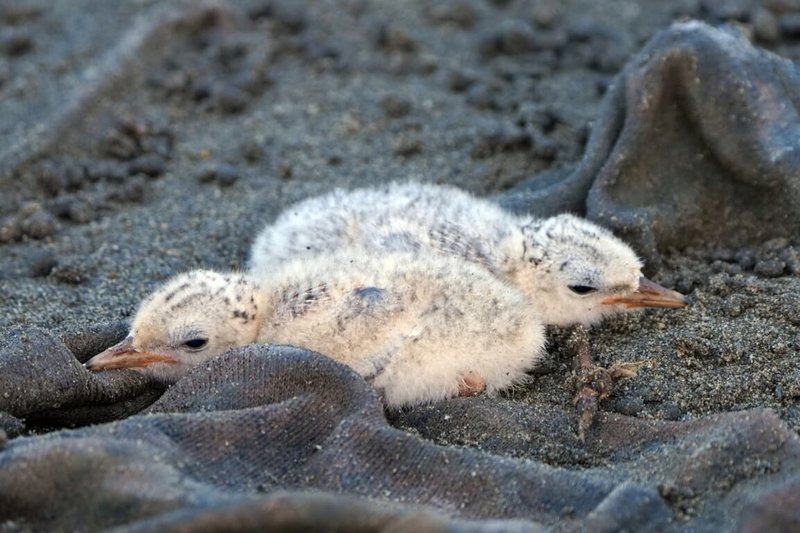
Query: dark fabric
[
  {"x": 698, "y": 125},
  {"x": 696, "y": 139},
  {"x": 265, "y": 419},
  {"x": 43, "y": 382}
]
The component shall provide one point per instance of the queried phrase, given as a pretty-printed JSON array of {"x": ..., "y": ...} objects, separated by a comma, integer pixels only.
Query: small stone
[
  {"x": 252, "y": 152},
  {"x": 696, "y": 347},
  {"x": 250, "y": 81},
  {"x": 157, "y": 144},
  {"x": 316, "y": 51},
  {"x": 745, "y": 259},
  {"x": 71, "y": 274},
  {"x": 285, "y": 171},
  {"x": 19, "y": 12},
  {"x": 262, "y": 9},
  {"x": 735, "y": 305},
  {"x": 230, "y": 52},
  {"x": 120, "y": 146},
  {"x": 105, "y": 170},
  {"x": 9, "y": 230},
  {"x": 722, "y": 254},
  {"x": 545, "y": 13},
  {"x": 226, "y": 175},
  {"x": 779, "y": 348},
  {"x": 543, "y": 117},
  {"x": 490, "y": 43},
  {"x": 481, "y": 150},
  {"x": 60, "y": 206},
  {"x": 30, "y": 208},
  {"x": 200, "y": 90},
  {"x": 459, "y": 80},
  {"x": 684, "y": 285},
  {"x": 782, "y": 6},
  {"x": 789, "y": 252},
  {"x": 728, "y": 268},
  {"x": 503, "y": 139},
  {"x": 15, "y": 42},
  {"x": 51, "y": 177},
  {"x": 729, "y": 10},
  {"x": 769, "y": 268},
  {"x": 152, "y": 165},
  {"x": 793, "y": 266},
  {"x": 207, "y": 174},
  {"x": 42, "y": 262},
  {"x": 458, "y": 12},
  {"x": 670, "y": 411},
  {"x": 395, "y": 106},
  {"x": 517, "y": 37},
  {"x": 765, "y": 26},
  {"x": 407, "y": 146},
  {"x": 776, "y": 245},
  {"x": 230, "y": 99},
  {"x": 80, "y": 211},
  {"x": 132, "y": 191},
  {"x": 481, "y": 96},
  {"x": 39, "y": 225},
  {"x": 629, "y": 406},
  {"x": 223, "y": 174},
  {"x": 290, "y": 16},
  {"x": 789, "y": 25},
  {"x": 173, "y": 82},
  {"x": 394, "y": 39}
]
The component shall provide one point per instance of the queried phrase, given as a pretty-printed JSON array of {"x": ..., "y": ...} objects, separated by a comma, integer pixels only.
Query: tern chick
[
  {"x": 420, "y": 327},
  {"x": 571, "y": 270}
]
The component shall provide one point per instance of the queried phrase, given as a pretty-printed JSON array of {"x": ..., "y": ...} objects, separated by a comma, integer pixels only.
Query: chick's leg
[
  {"x": 593, "y": 383},
  {"x": 471, "y": 385}
]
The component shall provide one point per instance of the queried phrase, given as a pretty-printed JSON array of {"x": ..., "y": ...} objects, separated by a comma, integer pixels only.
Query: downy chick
[
  {"x": 571, "y": 270},
  {"x": 420, "y": 327}
]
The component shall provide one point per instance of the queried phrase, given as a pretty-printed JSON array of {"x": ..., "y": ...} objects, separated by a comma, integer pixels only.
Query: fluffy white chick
[
  {"x": 572, "y": 270},
  {"x": 419, "y": 327}
]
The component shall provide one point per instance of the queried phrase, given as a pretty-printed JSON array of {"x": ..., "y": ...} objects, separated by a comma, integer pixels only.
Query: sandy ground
[{"x": 122, "y": 163}]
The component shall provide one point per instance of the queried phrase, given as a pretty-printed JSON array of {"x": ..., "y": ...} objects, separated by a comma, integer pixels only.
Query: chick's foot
[{"x": 592, "y": 383}]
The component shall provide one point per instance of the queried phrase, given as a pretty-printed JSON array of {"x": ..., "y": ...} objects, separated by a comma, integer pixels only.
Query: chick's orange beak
[
  {"x": 124, "y": 355},
  {"x": 649, "y": 294}
]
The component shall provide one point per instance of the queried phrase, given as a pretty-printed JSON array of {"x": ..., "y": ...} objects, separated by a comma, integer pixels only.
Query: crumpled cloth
[
  {"x": 695, "y": 139},
  {"x": 282, "y": 436},
  {"x": 699, "y": 128}
]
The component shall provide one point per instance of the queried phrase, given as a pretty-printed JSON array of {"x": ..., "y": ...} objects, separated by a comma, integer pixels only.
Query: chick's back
[{"x": 394, "y": 217}]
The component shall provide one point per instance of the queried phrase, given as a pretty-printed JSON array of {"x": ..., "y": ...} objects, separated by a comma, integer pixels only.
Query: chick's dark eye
[
  {"x": 195, "y": 344},
  {"x": 581, "y": 289}
]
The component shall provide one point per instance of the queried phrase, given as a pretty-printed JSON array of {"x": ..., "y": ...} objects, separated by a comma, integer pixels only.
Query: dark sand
[{"x": 191, "y": 146}]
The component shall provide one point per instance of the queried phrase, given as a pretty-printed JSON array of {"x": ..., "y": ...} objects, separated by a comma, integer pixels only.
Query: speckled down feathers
[
  {"x": 413, "y": 324},
  {"x": 541, "y": 257}
]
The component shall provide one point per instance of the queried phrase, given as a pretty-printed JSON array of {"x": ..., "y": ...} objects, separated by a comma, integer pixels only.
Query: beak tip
[
  {"x": 650, "y": 296},
  {"x": 92, "y": 365}
]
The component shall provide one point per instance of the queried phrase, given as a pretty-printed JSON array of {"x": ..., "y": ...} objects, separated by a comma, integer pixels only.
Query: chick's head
[
  {"x": 577, "y": 272},
  {"x": 191, "y": 318}
]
